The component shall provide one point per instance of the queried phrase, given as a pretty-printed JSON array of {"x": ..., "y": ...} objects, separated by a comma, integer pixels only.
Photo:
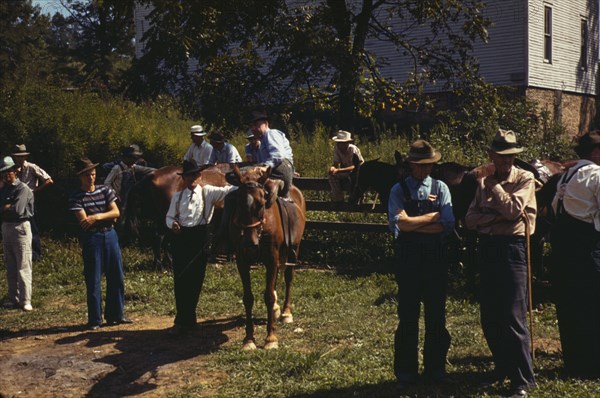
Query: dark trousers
[
  {"x": 503, "y": 268},
  {"x": 189, "y": 269},
  {"x": 421, "y": 274},
  {"x": 576, "y": 282},
  {"x": 285, "y": 172},
  {"x": 102, "y": 254}
]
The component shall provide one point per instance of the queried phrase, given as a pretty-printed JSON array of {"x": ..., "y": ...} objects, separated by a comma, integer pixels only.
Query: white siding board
[{"x": 564, "y": 73}]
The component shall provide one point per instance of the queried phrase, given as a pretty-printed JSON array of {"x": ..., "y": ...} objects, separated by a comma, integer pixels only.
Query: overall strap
[
  {"x": 563, "y": 182},
  {"x": 406, "y": 191}
]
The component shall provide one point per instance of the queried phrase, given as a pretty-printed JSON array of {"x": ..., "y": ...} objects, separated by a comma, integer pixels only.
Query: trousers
[{"x": 16, "y": 239}]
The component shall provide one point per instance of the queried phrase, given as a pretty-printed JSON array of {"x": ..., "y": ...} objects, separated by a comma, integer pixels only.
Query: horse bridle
[{"x": 257, "y": 224}]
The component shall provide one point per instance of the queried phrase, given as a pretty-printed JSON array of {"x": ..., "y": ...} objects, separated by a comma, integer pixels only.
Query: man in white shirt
[
  {"x": 200, "y": 150},
  {"x": 189, "y": 213},
  {"x": 576, "y": 259}
]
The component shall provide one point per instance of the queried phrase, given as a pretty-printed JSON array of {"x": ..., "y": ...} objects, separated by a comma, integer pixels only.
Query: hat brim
[
  {"x": 342, "y": 139},
  {"x": 508, "y": 151},
  {"x": 6, "y": 168},
  {"x": 434, "y": 159},
  {"x": 20, "y": 153},
  {"x": 200, "y": 134},
  {"x": 93, "y": 166}
]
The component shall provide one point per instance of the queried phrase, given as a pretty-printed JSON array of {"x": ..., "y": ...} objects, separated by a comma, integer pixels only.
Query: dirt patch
[{"x": 125, "y": 360}]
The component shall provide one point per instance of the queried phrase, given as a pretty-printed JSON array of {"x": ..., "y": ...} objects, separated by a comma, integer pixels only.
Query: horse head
[{"x": 376, "y": 175}]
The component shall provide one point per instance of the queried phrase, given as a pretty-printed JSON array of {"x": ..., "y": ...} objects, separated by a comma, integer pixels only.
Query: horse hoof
[
  {"x": 287, "y": 318},
  {"x": 271, "y": 345},
  {"x": 249, "y": 346}
]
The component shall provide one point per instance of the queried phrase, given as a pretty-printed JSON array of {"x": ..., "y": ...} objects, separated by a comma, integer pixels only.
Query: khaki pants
[
  {"x": 16, "y": 237},
  {"x": 336, "y": 181}
]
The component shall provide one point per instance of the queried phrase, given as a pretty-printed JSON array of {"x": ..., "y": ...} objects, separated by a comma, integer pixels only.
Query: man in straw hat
[
  {"x": 576, "y": 260},
  {"x": 343, "y": 163},
  {"x": 36, "y": 179},
  {"x": 503, "y": 212},
  {"x": 96, "y": 210},
  {"x": 16, "y": 211},
  {"x": 421, "y": 217},
  {"x": 188, "y": 217},
  {"x": 200, "y": 150}
]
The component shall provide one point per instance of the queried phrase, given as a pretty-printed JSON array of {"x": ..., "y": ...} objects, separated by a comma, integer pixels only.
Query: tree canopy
[{"x": 226, "y": 56}]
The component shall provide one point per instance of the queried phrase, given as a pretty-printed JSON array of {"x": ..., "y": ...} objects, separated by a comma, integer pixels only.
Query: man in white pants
[{"x": 16, "y": 211}]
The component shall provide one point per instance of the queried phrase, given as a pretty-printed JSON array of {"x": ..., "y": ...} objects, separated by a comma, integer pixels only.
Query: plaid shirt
[{"x": 32, "y": 174}]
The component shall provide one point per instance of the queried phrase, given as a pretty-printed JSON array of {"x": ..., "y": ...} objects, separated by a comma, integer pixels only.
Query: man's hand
[
  {"x": 176, "y": 228},
  {"x": 332, "y": 170},
  {"x": 88, "y": 222}
]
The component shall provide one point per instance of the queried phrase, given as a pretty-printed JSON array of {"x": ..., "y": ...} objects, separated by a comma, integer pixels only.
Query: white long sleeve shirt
[{"x": 195, "y": 207}]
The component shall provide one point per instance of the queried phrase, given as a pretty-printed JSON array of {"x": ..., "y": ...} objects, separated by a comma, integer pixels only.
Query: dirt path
[{"x": 137, "y": 359}]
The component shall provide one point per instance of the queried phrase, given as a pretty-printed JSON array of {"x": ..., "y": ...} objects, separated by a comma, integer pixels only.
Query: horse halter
[{"x": 259, "y": 223}]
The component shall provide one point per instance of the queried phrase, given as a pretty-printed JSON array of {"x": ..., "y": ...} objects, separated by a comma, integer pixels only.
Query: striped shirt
[{"x": 94, "y": 202}]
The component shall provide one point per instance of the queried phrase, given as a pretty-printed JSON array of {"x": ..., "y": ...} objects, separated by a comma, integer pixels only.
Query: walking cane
[{"x": 529, "y": 291}]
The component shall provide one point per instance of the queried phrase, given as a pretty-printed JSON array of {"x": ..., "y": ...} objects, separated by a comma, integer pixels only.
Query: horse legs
[
  {"x": 286, "y": 316},
  {"x": 270, "y": 298},
  {"x": 244, "y": 271}
]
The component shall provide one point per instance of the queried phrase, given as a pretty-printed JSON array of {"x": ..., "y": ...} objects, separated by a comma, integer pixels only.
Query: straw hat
[{"x": 343, "y": 136}]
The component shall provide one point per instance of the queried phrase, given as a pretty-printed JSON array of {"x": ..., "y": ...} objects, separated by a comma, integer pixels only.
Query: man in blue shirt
[
  {"x": 274, "y": 151},
  {"x": 420, "y": 216},
  {"x": 222, "y": 152}
]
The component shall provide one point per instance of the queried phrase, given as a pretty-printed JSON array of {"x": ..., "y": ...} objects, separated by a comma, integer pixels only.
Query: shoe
[
  {"x": 10, "y": 305},
  {"x": 177, "y": 331},
  {"x": 122, "y": 321},
  {"x": 92, "y": 326},
  {"x": 518, "y": 392},
  {"x": 27, "y": 307}
]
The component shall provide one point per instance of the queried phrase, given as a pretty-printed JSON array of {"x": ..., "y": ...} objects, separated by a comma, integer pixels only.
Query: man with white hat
[
  {"x": 200, "y": 150},
  {"x": 503, "y": 212},
  {"x": 16, "y": 210},
  {"x": 343, "y": 163}
]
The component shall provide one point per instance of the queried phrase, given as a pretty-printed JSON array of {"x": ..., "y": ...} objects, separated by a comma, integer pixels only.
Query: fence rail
[{"x": 322, "y": 184}]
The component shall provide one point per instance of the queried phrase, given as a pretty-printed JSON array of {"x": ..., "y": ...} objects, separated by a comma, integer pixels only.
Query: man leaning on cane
[{"x": 502, "y": 202}]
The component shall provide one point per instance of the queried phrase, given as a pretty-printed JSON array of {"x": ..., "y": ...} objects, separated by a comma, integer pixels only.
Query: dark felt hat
[
  {"x": 217, "y": 137},
  {"x": 587, "y": 142},
  {"x": 422, "y": 152},
  {"x": 132, "y": 151},
  {"x": 190, "y": 167},
  {"x": 84, "y": 164},
  {"x": 256, "y": 116}
]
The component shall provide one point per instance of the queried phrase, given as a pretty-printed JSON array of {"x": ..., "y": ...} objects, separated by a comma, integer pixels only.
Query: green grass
[{"x": 340, "y": 344}]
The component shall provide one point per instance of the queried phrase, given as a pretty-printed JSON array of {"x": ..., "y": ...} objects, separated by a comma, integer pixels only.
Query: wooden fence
[{"x": 322, "y": 184}]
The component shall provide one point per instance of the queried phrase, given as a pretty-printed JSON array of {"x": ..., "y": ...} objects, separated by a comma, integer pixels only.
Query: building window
[
  {"x": 548, "y": 34},
  {"x": 584, "y": 44}
]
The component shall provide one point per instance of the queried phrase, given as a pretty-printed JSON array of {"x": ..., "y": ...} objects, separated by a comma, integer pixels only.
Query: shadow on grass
[{"x": 143, "y": 352}]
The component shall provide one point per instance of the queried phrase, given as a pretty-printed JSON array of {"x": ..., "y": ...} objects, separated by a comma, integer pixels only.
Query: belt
[{"x": 100, "y": 229}]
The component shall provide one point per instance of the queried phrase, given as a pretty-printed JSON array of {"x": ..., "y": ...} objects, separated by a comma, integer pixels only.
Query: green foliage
[{"x": 57, "y": 126}]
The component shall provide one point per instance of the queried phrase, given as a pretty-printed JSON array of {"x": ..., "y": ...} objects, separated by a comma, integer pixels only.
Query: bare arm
[{"x": 86, "y": 222}]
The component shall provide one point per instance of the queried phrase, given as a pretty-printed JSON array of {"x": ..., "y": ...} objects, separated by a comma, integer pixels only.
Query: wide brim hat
[
  {"x": 217, "y": 137},
  {"x": 20, "y": 150},
  {"x": 84, "y": 164},
  {"x": 256, "y": 116},
  {"x": 197, "y": 130},
  {"x": 250, "y": 135},
  {"x": 421, "y": 152},
  {"x": 6, "y": 164},
  {"x": 343, "y": 136},
  {"x": 132, "y": 151},
  {"x": 587, "y": 142},
  {"x": 505, "y": 143},
  {"x": 190, "y": 167}
]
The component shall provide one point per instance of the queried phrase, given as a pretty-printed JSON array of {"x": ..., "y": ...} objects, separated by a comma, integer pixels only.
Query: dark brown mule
[
  {"x": 150, "y": 199},
  {"x": 266, "y": 229}
]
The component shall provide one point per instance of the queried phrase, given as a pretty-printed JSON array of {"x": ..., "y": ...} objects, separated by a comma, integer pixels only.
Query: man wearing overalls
[{"x": 420, "y": 216}]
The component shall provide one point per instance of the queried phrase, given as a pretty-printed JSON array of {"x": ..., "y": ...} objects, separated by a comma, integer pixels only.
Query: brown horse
[
  {"x": 150, "y": 198},
  {"x": 269, "y": 230}
]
